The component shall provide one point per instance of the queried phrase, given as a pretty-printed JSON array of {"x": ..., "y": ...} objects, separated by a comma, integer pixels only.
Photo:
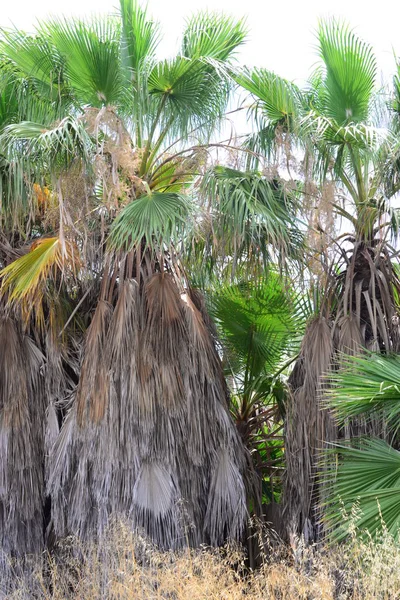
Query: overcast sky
[{"x": 281, "y": 34}]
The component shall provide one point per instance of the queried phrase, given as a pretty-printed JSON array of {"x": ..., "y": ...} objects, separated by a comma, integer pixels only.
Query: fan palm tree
[
  {"x": 338, "y": 139},
  {"x": 143, "y": 399},
  {"x": 257, "y": 327},
  {"x": 102, "y": 212},
  {"x": 259, "y": 331}
]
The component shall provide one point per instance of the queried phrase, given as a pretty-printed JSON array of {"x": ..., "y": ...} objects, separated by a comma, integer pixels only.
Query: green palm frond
[
  {"x": 190, "y": 92},
  {"x": 212, "y": 35},
  {"x": 359, "y": 135},
  {"x": 21, "y": 100},
  {"x": 255, "y": 323},
  {"x": 9, "y": 106},
  {"x": 35, "y": 59},
  {"x": 276, "y": 98},
  {"x": 140, "y": 36},
  {"x": 36, "y": 144},
  {"x": 176, "y": 80},
  {"x": 367, "y": 385},
  {"x": 250, "y": 214},
  {"x": 90, "y": 52},
  {"x": 350, "y": 71},
  {"x": 365, "y": 478},
  {"x": 157, "y": 218}
]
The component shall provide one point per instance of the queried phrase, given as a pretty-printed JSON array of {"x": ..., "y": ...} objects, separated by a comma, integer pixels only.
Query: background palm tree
[
  {"x": 338, "y": 140},
  {"x": 259, "y": 331}
]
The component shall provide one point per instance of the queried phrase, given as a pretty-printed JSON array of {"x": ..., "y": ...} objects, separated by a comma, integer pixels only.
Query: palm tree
[
  {"x": 346, "y": 138},
  {"x": 143, "y": 401},
  {"x": 102, "y": 213},
  {"x": 259, "y": 330},
  {"x": 23, "y": 396}
]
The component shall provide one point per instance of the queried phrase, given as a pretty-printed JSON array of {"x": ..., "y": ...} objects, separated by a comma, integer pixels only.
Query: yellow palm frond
[{"x": 25, "y": 281}]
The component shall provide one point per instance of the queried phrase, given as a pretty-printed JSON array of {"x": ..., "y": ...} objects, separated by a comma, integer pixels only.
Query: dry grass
[{"x": 128, "y": 567}]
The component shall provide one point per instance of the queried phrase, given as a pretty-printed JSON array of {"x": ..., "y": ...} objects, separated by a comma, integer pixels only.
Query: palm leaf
[
  {"x": 35, "y": 59},
  {"x": 24, "y": 281},
  {"x": 358, "y": 135},
  {"x": 255, "y": 323},
  {"x": 91, "y": 58},
  {"x": 140, "y": 36},
  {"x": 212, "y": 35},
  {"x": 250, "y": 214},
  {"x": 276, "y": 98},
  {"x": 157, "y": 218},
  {"x": 368, "y": 478},
  {"x": 41, "y": 146},
  {"x": 191, "y": 91},
  {"x": 367, "y": 385},
  {"x": 350, "y": 71}
]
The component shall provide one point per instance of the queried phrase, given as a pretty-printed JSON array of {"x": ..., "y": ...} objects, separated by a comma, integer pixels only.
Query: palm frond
[
  {"x": 251, "y": 216},
  {"x": 276, "y": 98},
  {"x": 350, "y": 72},
  {"x": 24, "y": 281},
  {"x": 212, "y": 35},
  {"x": 90, "y": 52},
  {"x": 157, "y": 218},
  {"x": 364, "y": 479},
  {"x": 193, "y": 93},
  {"x": 36, "y": 60},
  {"x": 255, "y": 323},
  {"x": 359, "y": 135},
  {"x": 367, "y": 385},
  {"x": 64, "y": 140},
  {"x": 139, "y": 38}
]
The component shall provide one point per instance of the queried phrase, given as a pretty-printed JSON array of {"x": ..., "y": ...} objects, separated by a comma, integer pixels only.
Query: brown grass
[{"x": 128, "y": 567}]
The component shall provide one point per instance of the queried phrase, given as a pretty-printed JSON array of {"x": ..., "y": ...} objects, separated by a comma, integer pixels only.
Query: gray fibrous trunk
[
  {"x": 364, "y": 316},
  {"x": 148, "y": 434},
  {"x": 308, "y": 426}
]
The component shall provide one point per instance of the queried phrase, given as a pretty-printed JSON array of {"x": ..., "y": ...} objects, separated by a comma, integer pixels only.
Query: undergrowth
[{"x": 125, "y": 566}]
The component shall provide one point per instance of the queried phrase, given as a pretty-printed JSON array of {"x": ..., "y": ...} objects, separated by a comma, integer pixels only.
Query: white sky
[{"x": 281, "y": 32}]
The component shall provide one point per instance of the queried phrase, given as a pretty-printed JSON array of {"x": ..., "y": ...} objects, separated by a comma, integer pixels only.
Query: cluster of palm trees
[{"x": 179, "y": 315}]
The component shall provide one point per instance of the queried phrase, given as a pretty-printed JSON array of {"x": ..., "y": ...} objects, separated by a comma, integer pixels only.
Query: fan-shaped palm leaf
[
  {"x": 368, "y": 478},
  {"x": 35, "y": 59},
  {"x": 255, "y": 323},
  {"x": 350, "y": 70},
  {"x": 157, "y": 218},
  {"x": 63, "y": 141},
  {"x": 367, "y": 385},
  {"x": 91, "y": 58},
  {"x": 277, "y": 98},
  {"x": 212, "y": 35},
  {"x": 139, "y": 37},
  {"x": 25, "y": 280},
  {"x": 251, "y": 215}
]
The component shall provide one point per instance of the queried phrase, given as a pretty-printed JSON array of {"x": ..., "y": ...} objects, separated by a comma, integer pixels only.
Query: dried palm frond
[
  {"x": 157, "y": 443},
  {"x": 22, "y": 415},
  {"x": 307, "y": 427}
]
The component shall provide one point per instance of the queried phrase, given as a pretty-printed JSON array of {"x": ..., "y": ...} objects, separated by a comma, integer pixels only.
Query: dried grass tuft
[{"x": 126, "y": 566}]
